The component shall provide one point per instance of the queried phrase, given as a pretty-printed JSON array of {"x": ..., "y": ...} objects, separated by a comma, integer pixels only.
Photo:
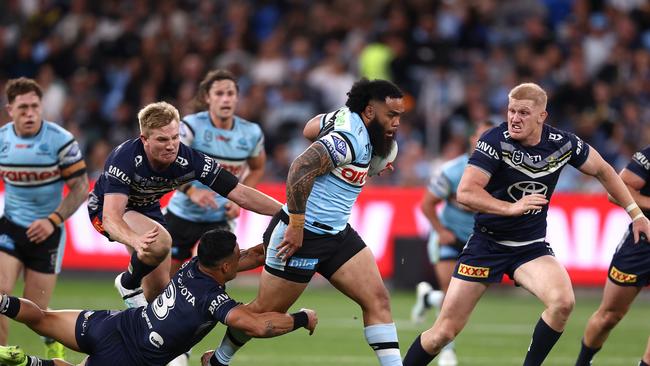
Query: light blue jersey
[
  {"x": 444, "y": 184},
  {"x": 34, "y": 168},
  {"x": 329, "y": 205},
  {"x": 230, "y": 148}
]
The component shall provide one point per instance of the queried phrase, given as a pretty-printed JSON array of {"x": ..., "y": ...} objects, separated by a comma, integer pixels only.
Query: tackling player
[
  {"x": 125, "y": 207},
  {"x": 509, "y": 179},
  {"x": 180, "y": 317},
  {"x": 37, "y": 158}
]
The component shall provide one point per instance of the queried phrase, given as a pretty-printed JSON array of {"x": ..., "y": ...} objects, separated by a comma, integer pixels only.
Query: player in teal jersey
[
  {"x": 451, "y": 229},
  {"x": 235, "y": 143},
  {"x": 37, "y": 158}
]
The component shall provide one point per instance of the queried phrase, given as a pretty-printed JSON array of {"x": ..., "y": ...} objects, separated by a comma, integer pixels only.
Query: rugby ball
[{"x": 377, "y": 163}]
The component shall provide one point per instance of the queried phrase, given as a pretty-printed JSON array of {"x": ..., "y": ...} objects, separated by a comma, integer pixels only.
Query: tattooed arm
[
  {"x": 313, "y": 162},
  {"x": 271, "y": 324}
]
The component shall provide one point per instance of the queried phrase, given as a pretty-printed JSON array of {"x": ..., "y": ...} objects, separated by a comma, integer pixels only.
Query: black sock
[
  {"x": 9, "y": 306},
  {"x": 642, "y": 363},
  {"x": 586, "y": 354},
  {"x": 132, "y": 278},
  {"x": 544, "y": 338},
  {"x": 35, "y": 361},
  {"x": 416, "y": 355}
]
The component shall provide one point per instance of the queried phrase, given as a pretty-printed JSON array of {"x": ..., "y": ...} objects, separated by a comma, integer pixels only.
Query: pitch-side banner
[{"x": 583, "y": 230}]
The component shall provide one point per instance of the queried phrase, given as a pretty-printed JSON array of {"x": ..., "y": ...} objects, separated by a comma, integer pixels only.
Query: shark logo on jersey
[
  {"x": 242, "y": 144},
  {"x": 207, "y": 136},
  {"x": 181, "y": 161},
  {"x": 138, "y": 160},
  {"x": 521, "y": 189},
  {"x": 156, "y": 339},
  {"x": 45, "y": 147}
]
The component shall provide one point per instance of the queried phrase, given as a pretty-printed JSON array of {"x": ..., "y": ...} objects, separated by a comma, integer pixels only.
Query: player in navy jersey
[
  {"x": 509, "y": 179},
  {"x": 312, "y": 235},
  {"x": 37, "y": 158},
  {"x": 236, "y": 144},
  {"x": 191, "y": 305},
  {"x": 124, "y": 205},
  {"x": 629, "y": 270}
]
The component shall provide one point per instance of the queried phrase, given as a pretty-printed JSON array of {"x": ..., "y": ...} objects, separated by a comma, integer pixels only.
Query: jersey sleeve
[
  {"x": 440, "y": 185},
  {"x": 220, "y": 306},
  {"x": 71, "y": 161},
  {"x": 487, "y": 154},
  {"x": 187, "y": 133},
  {"x": 210, "y": 173},
  {"x": 340, "y": 146},
  {"x": 119, "y": 171},
  {"x": 259, "y": 143},
  {"x": 580, "y": 151},
  {"x": 640, "y": 165}
]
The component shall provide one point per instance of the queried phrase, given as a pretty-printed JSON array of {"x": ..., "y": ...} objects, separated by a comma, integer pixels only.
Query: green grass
[{"x": 497, "y": 334}]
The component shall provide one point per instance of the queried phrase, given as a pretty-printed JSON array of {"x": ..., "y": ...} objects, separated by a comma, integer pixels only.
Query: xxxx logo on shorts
[
  {"x": 621, "y": 277},
  {"x": 470, "y": 271}
]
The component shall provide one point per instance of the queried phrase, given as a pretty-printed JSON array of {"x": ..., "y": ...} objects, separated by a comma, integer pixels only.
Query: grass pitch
[{"x": 497, "y": 334}]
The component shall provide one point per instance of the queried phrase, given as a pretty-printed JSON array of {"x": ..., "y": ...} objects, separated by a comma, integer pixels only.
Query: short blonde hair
[
  {"x": 157, "y": 115},
  {"x": 529, "y": 91}
]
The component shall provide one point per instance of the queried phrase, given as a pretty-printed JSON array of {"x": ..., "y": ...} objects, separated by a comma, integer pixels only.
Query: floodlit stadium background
[{"x": 100, "y": 61}]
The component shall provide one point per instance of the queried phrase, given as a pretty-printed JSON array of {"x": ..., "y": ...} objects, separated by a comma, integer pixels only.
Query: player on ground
[
  {"x": 629, "y": 271},
  {"x": 509, "y": 179},
  {"x": 322, "y": 185},
  {"x": 124, "y": 205},
  {"x": 236, "y": 144},
  {"x": 37, "y": 158},
  {"x": 451, "y": 230},
  {"x": 183, "y": 314}
]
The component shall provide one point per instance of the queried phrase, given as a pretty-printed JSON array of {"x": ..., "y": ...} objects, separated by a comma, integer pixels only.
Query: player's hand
[
  {"x": 205, "y": 359},
  {"x": 145, "y": 241},
  {"x": 313, "y": 320},
  {"x": 291, "y": 243},
  {"x": 641, "y": 229},
  {"x": 446, "y": 237},
  {"x": 251, "y": 258},
  {"x": 389, "y": 168},
  {"x": 527, "y": 203},
  {"x": 39, "y": 230},
  {"x": 202, "y": 197},
  {"x": 232, "y": 210}
]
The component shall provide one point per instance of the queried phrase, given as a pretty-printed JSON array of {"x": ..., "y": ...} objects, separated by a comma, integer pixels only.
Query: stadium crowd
[{"x": 100, "y": 62}]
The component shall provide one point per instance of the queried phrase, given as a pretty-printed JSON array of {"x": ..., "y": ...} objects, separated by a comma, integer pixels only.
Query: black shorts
[
  {"x": 186, "y": 233},
  {"x": 45, "y": 257},
  {"x": 324, "y": 254},
  {"x": 484, "y": 260},
  {"x": 96, "y": 218},
  {"x": 631, "y": 263},
  {"x": 98, "y": 335}
]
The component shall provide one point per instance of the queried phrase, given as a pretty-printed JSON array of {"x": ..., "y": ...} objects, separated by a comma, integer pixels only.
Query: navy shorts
[
  {"x": 631, "y": 263},
  {"x": 484, "y": 260},
  {"x": 186, "y": 233},
  {"x": 96, "y": 218},
  {"x": 98, "y": 336},
  {"x": 320, "y": 253},
  {"x": 45, "y": 257}
]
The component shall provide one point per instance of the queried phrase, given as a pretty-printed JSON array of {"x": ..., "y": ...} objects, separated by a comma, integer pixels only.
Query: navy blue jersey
[
  {"x": 640, "y": 165},
  {"x": 186, "y": 311},
  {"x": 128, "y": 171},
  {"x": 516, "y": 171}
]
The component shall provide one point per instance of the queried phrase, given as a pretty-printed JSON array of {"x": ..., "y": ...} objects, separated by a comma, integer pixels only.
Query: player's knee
[
  {"x": 609, "y": 318},
  {"x": 563, "y": 306},
  {"x": 379, "y": 303}
]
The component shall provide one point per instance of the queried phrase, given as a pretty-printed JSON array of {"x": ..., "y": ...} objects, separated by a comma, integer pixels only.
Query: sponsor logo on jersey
[
  {"x": 23, "y": 146},
  {"x": 222, "y": 138},
  {"x": 518, "y": 190},
  {"x": 471, "y": 271},
  {"x": 25, "y": 176},
  {"x": 118, "y": 174},
  {"x": 156, "y": 339},
  {"x": 580, "y": 145},
  {"x": 303, "y": 263},
  {"x": 336, "y": 158},
  {"x": 207, "y": 136},
  {"x": 554, "y": 136},
  {"x": 138, "y": 161},
  {"x": 352, "y": 174},
  {"x": 621, "y": 277},
  {"x": 5, "y": 147},
  {"x": 517, "y": 157},
  {"x": 215, "y": 303},
  {"x": 487, "y": 149},
  {"x": 642, "y": 160},
  {"x": 340, "y": 145},
  {"x": 182, "y": 161}
]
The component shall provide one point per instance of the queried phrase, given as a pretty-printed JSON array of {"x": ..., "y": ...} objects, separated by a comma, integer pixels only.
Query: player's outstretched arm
[
  {"x": 254, "y": 200},
  {"x": 271, "y": 324},
  {"x": 471, "y": 193},
  {"x": 251, "y": 258},
  {"x": 428, "y": 207}
]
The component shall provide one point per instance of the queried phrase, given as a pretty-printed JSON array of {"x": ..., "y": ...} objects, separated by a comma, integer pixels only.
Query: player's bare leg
[
  {"x": 613, "y": 307},
  {"x": 549, "y": 281},
  {"x": 39, "y": 288},
  {"x": 645, "y": 361},
  {"x": 10, "y": 268},
  {"x": 372, "y": 296}
]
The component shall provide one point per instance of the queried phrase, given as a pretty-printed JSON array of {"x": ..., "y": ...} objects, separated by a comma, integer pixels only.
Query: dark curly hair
[
  {"x": 364, "y": 90},
  {"x": 205, "y": 85},
  {"x": 214, "y": 246}
]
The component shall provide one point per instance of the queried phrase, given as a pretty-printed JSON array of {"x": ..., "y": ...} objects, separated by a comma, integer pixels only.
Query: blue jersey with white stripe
[
  {"x": 329, "y": 205},
  {"x": 516, "y": 171},
  {"x": 34, "y": 169},
  {"x": 186, "y": 311},
  {"x": 230, "y": 148},
  {"x": 444, "y": 184}
]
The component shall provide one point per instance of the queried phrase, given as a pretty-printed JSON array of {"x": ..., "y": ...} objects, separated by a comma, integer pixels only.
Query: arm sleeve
[
  {"x": 340, "y": 147},
  {"x": 640, "y": 165},
  {"x": 220, "y": 306},
  {"x": 259, "y": 145},
  {"x": 71, "y": 162},
  {"x": 487, "y": 154},
  {"x": 119, "y": 173},
  {"x": 210, "y": 173},
  {"x": 440, "y": 185},
  {"x": 579, "y": 151},
  {"x": 187, "y": 133}
]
